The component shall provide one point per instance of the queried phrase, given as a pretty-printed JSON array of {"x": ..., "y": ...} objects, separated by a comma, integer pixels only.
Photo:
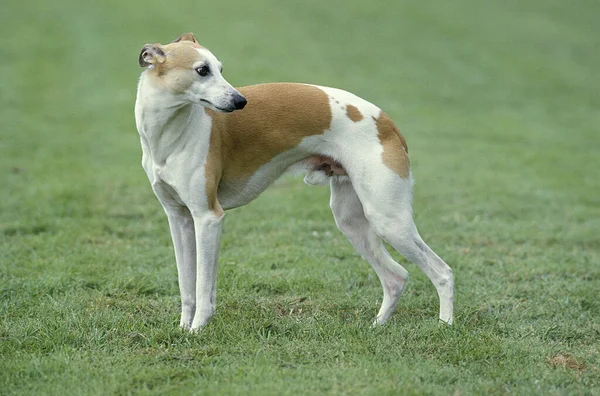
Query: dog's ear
[
  {"x": 186, "y": 37},
  {"x": 151, "y": 55}
]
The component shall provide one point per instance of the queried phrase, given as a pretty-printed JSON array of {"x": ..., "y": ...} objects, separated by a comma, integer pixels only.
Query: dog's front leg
[
  {"x": 207, "y": 226},
  {"x": 181, "y": 224}
]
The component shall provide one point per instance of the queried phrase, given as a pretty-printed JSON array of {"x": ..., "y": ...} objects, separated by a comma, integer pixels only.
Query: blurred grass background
[{"x": 499, "y": 102}]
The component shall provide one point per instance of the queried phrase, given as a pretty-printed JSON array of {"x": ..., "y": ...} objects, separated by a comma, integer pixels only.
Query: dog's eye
[{"x": 203, "y": 70}]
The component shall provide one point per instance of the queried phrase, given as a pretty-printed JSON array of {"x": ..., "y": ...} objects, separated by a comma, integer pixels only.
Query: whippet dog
[{"x": 208, "y": 147}]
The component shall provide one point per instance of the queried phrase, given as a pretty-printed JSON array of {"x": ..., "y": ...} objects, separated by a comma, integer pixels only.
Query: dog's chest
[{"x": 175, "y": 159}]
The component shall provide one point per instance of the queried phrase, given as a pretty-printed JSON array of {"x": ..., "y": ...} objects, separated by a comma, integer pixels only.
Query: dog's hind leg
[
  {"x": 387, "y": 206},
  {"x": 350, "y": 219}
]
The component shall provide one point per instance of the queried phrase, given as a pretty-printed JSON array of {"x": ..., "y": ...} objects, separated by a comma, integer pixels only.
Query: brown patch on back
[
  {"x": 276, "y": 119},
  {"x": 353, "y": 113},
  {"x": 395, "y": 150}
]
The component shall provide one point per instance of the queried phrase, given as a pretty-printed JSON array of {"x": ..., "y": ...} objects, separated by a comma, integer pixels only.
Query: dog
[{"x": 208, "y": 147}]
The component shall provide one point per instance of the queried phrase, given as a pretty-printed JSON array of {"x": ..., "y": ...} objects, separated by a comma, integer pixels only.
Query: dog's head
[{"x": 190, "y": 72}]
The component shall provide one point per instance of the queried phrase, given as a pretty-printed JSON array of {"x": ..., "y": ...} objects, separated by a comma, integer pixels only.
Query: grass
[{"x": 499, "y": 104}]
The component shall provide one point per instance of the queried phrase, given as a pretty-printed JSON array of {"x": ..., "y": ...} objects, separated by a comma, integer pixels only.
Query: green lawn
[{"x": 499, "y": 102}]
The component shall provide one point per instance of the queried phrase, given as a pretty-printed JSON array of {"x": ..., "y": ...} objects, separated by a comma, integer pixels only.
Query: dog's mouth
[{"x": 217, "y": 107}]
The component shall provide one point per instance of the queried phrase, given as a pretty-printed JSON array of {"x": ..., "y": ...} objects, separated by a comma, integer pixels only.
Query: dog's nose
[{"x": 239, "y": 102}]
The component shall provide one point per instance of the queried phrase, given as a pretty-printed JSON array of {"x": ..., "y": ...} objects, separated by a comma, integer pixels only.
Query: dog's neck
[{"x": 164, "y": 120}]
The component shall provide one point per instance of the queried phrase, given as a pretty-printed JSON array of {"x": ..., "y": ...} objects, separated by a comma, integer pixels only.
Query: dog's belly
[
  {"x": 234, "y": 193},
  {"x": 238, "y": 193}
]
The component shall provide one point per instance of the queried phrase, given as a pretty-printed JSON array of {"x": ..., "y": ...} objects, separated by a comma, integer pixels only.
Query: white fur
[{"x": 370, "y": 205}]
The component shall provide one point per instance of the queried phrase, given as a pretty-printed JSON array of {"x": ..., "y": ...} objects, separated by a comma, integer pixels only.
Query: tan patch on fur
[
  {"x": 395, "y": 150},
  {"x": 180, "y": 55},
  {"x": 353, "y": 113},
  {"x": 176, "y": 72},
  {"x": 213, "y": 171},
  {"x": 276, "y": 119}
]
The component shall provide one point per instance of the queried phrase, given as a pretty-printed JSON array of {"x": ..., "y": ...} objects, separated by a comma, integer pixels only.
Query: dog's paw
[{"x": 377, "y": 323}]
